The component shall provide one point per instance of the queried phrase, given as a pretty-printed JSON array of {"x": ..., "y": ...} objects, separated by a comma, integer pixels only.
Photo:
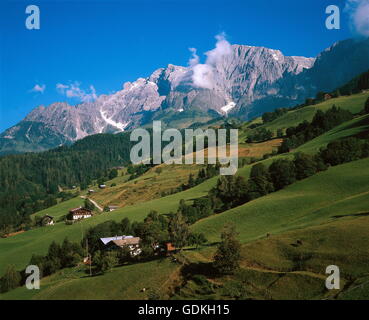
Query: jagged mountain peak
[{"x": 241, "y": 80}]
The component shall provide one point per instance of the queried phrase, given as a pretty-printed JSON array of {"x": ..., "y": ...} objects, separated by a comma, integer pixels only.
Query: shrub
[
  {"x": 228, "y": 255},
  {"x": 282, "y": 173},
  {"x": 10, "y": 280}
]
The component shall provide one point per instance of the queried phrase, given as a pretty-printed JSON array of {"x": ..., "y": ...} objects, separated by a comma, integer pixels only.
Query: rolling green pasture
[
  {"x": 121, "y": 283},
  {"x": 342, "y": 190},
  {"x": 354, "y": 104}
]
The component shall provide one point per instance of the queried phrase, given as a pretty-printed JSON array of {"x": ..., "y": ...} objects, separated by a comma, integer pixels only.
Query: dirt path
[{"x": 94, "y": 203}]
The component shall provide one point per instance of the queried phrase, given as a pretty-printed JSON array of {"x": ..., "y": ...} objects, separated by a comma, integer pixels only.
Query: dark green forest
[{"x": 30, "y": 182}]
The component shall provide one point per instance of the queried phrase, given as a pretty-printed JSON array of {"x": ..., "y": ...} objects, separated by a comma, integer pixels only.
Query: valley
[{"x": 287, "y": 237}]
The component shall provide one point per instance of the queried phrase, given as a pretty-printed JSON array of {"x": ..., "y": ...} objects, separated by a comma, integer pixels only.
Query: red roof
[
  {"x": 170, "y": 247},
  {"x": 80, "y": 211}
]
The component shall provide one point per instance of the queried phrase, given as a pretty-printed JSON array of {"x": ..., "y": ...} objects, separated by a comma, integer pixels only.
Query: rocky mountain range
[{"x": 237, "y": 80}]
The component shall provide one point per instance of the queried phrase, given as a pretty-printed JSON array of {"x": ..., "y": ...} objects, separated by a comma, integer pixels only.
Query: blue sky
[{"x": 106, "y": 43}]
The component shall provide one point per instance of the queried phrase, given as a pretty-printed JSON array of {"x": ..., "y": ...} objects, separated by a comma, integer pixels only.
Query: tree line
[{"x": 305, "y": 131}]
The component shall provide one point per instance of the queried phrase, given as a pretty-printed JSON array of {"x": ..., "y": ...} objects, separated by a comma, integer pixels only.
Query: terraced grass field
[{"x": 147, "y": 187}]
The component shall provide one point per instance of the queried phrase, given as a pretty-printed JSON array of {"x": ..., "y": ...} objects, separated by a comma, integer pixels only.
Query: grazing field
[
  {"x": 18, "y": 250},
  {"x": 61, "y": 209},
  {"x": 292, "y": 265},
  {"x": 309, "y": 223},
  {"x": 257, "y": 150},
  {"x": 354, "y": 103},
  {"x": 149, "y": 186},
  {"x": 121, "y": 283},
  {"x": 342, "y": 189},
  {"x": 358, "y": 126}
]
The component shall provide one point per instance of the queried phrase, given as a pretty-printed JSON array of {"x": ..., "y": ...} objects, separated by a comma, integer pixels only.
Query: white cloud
[
  {"x": 61, "y": 87},
  {"x": 358, "y": 11},
  {"x": 203, "y": 74},
  {"x": 73, "y": 90},
  {"x": 222, "y": 48},
  {"x": 38, "y": 88},
  {"x": 195, "y": 58}
]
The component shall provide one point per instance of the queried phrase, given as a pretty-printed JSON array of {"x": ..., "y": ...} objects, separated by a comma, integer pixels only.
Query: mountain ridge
[{"x": 237, "y": 80}]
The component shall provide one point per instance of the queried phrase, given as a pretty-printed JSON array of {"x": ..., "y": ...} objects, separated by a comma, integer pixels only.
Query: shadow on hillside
[
  {"x": 202, "y": 268},
  {"x": 95, "y": 273},
  {"x": 361, "y": 214},
  {"x": 212, "y": 244}
]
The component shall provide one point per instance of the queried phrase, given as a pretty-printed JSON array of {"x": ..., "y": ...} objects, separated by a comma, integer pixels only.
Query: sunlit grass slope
[
  {"x": 342, "y": 189},
  {"x": 121, "y": 283}
]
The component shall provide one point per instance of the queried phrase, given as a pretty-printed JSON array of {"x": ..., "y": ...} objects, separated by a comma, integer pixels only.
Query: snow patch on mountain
[
  {"x": 234, "y": 79},
  {"x": 120, "y": 125},
  {"x": 229, "y": 106}
]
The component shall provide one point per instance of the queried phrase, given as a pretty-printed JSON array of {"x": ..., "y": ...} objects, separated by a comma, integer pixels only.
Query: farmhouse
[
  {"x": 112, "y": 208},
  {"x": 169, "y": 248},
  {"x": 79, "y": 213},
  {"x": 327, "y": 96},
  {"x": 118, "y": 168},
  {"x": 132, "y": 243},
  {"x": 47, "y": 220},
  {"x": 105, "y": 241}
]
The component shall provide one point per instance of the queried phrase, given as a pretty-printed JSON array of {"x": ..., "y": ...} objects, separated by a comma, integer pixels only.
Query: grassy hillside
[
  {"x": 292, "y": 265},
  {"x": 257, "y": 150},
  {"x": 330, "y": 226},
  {"x": 274, "y": 267},
  {"x": 125, "y": 283},
  {"x": 18, "y": 249},
  {"x": 147, "y": 187},
  {"x": 318, "y": 211},
  {"x": 61, "y": 209},
  {"x": 356, "y": 127},
  {"x": 327, "y": 212},
  {"x": 340, "y": 190},
  {"x": 354, "y": 103}
]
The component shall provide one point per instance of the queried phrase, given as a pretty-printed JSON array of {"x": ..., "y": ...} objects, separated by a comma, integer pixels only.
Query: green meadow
[
  {"x": 121, "y": 283},
  {"x": 339, "y": 190},
  {"x": 18, "y": 249},
  {"x": 354, "y": 104}
]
